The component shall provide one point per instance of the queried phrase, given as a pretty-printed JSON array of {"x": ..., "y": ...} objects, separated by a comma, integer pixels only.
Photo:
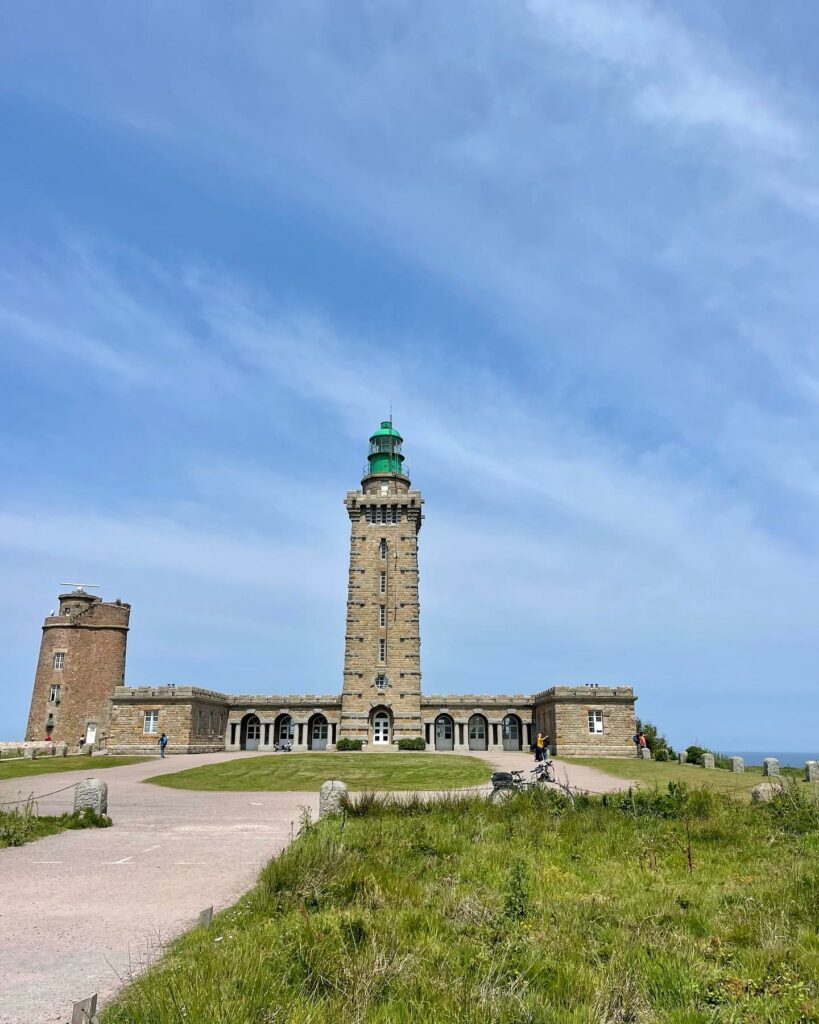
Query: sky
[{"x": 571, "y": 244}]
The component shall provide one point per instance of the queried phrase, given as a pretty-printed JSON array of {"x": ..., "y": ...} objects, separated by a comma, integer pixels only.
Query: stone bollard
[
  {"x": 811, "y": 771},
  {"x": 30, "y": 752},
  {"x": 87, "y": 748},
  {"x": 682, "y": 757},
  {"x": 330, "y": 796},
  {"x": 62, "y": 750},
  {"x": 736, "y": 764},
  {"x": 645, "y": 753},
  {"x": 707, "y": 760},
  {"x": 770, "y": 766},
  {"x": 91, "y": 793}
]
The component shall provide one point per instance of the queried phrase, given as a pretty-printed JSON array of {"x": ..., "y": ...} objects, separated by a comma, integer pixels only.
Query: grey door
[
  {"x": 444, "y": 733},
  {"x": 511, "y": 733},
  {"x": 318, "y": 740},
  {"x": 254, "y": 731},
  {"x": 477, "y": 732}
]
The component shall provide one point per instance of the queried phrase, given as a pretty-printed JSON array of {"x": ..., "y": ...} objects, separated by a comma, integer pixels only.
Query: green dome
[{"x": 385, "y": 451}]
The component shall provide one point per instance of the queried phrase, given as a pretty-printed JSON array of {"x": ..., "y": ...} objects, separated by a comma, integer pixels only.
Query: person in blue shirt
[{"x": 163, "y": 742}]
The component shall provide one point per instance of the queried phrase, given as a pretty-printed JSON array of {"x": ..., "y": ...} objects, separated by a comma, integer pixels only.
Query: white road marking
[
  {"x": 152, "y": 848},
  {"x": 47, "y": 862},
  {"x": 124, "y": 860}
]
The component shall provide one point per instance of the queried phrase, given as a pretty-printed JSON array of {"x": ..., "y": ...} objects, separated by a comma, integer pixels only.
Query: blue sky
[{"x": 574, "y": 244}]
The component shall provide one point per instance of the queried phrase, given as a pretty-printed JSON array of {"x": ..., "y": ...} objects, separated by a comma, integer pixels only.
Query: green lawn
[
  {"x": 631, "y": 909},
  {"x": 15, "y": 769},
  {"x": 660, "y": 773},
  {"x": 306, "y": 772}
]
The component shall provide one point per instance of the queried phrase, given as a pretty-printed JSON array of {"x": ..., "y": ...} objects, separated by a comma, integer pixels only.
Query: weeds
[
  {"x": 676, "y": 908},
  {"x": 22, "y": 825}
]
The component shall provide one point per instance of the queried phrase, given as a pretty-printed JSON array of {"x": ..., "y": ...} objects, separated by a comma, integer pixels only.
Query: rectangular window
[
  {"x": 595, "y": 721},
  {"x": 384, "y": 511},
  {"x": 383, "y": 583},
  {"x": 382, "y": 649},
  {"x": 394, "y": 514},
  {"x": 151, "y": 723},
  {"x": 383, "y": 548},
  {"x": 59, "y": 659},
  {"x": 382, "y": 616},
  {"x": 54, "y": 694}
]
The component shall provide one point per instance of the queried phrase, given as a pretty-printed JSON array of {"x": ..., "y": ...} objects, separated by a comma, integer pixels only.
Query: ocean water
[{"x": 786, "y": 758}]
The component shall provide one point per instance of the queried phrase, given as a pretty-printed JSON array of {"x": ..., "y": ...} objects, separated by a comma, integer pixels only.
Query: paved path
[{"x": 80, "y": 911}]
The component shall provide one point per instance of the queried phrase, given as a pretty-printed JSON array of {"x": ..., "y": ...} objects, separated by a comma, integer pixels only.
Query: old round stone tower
[
  {"x": 381, "y": 695},
  {"x": 81, "y": 663}
]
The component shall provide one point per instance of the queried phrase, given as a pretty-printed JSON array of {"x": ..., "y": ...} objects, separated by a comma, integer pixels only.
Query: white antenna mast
[{"x": 81, "y": 586}]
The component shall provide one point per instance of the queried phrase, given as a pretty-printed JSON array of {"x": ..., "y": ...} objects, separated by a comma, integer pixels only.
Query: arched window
[{"x": 286, "y": 731}]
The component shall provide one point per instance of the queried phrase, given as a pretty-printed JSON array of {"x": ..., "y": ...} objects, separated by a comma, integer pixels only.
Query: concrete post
[
  {"x": 645, "y": 753},
  {"x": 736, "y": 764},
  {"x": 330, "y": 796},
  {"x": 91, "y": 793},
  {"x": 682, "y": 757},
  {"x": 30, "y": 752},
  {"x": 62, "y": 750},
  {"x": 770, "y": 766},
  {"x": 811, "y": 771},
  {"x": 707, "y": 760}
]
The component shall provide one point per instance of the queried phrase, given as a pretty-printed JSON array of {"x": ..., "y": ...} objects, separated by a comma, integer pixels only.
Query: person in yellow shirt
[{"x": 539, "y": 747}]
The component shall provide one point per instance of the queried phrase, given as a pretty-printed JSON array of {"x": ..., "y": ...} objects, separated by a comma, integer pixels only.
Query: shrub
[
  {"x": 345, "y": 743},
  {"x": 695, "y": 754},
  {"x": 654, "y": 740},
  {"x": 662, "y": 755},
  {"x": 412, "y": 743}
]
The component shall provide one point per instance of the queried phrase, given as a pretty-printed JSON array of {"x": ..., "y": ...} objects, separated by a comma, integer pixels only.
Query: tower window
[
  {"x": 382, "y": 615},
  {"x": 383, "y": 583},
  {"x": 384, "y": 511},
  {"x": 54, "y": 694},
  {"x": 59, "y": 660},
  {"x": 382, "y": 649},
  {"x": 151, "y": 723},
  {"x": 394, "y": 511},
  {"x": 595, "y": 721},
  {"x": 383, "y": 547},
  {"x": 381, "y": 682}
]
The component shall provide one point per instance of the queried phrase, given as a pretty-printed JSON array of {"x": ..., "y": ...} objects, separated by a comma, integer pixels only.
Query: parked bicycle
[{"x": 542, "y": 774}]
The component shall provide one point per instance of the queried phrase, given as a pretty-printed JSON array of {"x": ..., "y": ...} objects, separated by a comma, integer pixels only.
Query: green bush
[
  {"x": 655, "y": 741},
  {"x": 662, "y": 755},
  {"x": 345, "y": 743},
  {"x": 412, "y": 743},
  {"x": 695, "y": 754}
]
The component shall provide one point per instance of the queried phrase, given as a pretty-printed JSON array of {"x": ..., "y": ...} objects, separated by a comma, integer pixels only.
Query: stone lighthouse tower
[
  {"x": 381, "y": 697},
  {"x": 82, "y": 660}
]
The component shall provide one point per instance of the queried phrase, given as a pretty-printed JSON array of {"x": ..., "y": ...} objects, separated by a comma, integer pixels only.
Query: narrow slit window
[
  {"x": 383, "y": 547},
  {"x": 394, "y": 514},
  {"x": 383, "y": 583},
  {"x": 382, "y": 649},
  {"x": 382, "y": 615}
]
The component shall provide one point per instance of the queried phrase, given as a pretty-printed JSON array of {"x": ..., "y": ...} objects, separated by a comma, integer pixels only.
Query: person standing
[
  {"x": 163, "y": 742},
  {"x": 539, "y": 747}
]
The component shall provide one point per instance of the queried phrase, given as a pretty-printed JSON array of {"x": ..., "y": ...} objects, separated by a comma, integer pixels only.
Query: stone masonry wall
[
  {"x": 185, "y": 715},
  {"x": 383, "y": 607},
  {"x": 91, "y": 637},
  {"x": 566, "y": 709}
]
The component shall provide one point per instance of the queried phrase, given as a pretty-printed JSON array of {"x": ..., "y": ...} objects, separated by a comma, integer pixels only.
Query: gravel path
[{"x": 81, "y": 911}]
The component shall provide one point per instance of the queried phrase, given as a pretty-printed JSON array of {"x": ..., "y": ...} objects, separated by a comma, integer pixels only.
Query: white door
[
  {"x": 91, "y": 732},
  {"x": 381, "y": 728}
]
